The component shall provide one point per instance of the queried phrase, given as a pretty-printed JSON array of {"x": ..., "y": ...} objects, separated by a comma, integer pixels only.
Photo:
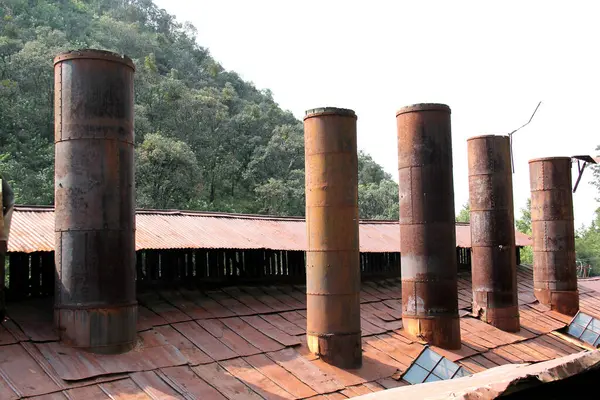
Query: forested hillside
[{"x": 206, "y": 140}]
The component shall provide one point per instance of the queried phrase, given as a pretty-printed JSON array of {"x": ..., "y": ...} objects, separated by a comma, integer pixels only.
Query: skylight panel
[
  {"x": 431, "y": 367},
  {"x": 585, "y": 328}
]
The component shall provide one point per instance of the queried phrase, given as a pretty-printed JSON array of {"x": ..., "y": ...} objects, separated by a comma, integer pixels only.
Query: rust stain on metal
[
  {"x": 94, "y": 227},
  {"x": 161, "y": 357},
  {"x": 332, "y": 257},
  {"x": 552, "y": 224},
  {"x": 493, "y": 261},
  {"x": 32, "y": 230},
  {"x": 427, "y": 225},
  {"x": 71, "y": 364}
]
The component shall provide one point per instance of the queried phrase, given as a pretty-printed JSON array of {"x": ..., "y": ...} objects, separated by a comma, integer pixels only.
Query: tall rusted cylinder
[
  {"x": 95, "y": 302},
  {"x": 493, "y": 258},
  {"x": 553, "y": 228},
  {"x": 332, "y": 260},
  {"x": 427, "y": 225}
]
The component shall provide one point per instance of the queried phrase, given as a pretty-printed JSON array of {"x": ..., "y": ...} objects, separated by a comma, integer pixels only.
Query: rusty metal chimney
[
  {"x": 493, "y": 260},
  {"x": 553, "y": 228},
  {"x": 427, "y": 225},
  {"x": 95, "y": 303},
  {"x": 332, "y": 259}
]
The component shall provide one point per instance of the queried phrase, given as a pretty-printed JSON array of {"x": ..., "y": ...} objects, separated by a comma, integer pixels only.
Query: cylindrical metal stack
[
  {"x": 427, "y": 225},
  {"x": 492, "y": 232},
  {"x": 553, "y": 228},
  {"x": 332, "y": 259},
  {"x": 95, "y": 300}
]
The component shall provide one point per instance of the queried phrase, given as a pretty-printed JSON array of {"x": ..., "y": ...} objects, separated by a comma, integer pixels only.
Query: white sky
[{"x": 490, "y": 64}]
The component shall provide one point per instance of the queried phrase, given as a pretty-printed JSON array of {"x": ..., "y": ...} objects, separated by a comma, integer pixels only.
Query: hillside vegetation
[{"x": 205, "y": 139}]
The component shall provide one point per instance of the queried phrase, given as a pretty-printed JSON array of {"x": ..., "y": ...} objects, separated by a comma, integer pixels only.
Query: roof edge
[
  {"x": 497, "y": 381},
  {"x": 216, "y": 214}
]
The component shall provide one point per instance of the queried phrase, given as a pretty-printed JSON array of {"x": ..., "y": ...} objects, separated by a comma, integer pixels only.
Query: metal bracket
[
  {"x": 581, "y": 168},
  {"x": 582, "y": 162}
]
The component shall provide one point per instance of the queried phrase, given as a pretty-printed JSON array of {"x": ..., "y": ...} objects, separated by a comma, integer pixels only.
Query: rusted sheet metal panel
[
  {"x": 21, "y": 374},
  {"x": 125, "y": 389},
  {"x": 34, "y": 318},
  {"x": 153, "y": 386},
  {"x": 306, "y": 371},
  {"x": 280, "y": 376},
  {"x": 553, "y": 227},
  {"x": 281, "y": 336},
  {"x": 206, "y": 342},
  {"x": 253, "y": 378},
  {"x": 188, "y": 382},
  {"x": 332, "y": 257},
  {"x": 224, "y": 382},
  {"x": 427, "y": 224},
  {"x": 94, "y": 191},
  {"x": 32, "y": 230},
  {"x": 188, "y": 230},
  {"x": 493, "y": 262},
  {"x": 71, "y": 364},
  {"x": 590, "y": 283}
]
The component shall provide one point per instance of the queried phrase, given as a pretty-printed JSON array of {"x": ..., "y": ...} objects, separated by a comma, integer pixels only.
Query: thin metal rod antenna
[{"x": 512, "y": 160}]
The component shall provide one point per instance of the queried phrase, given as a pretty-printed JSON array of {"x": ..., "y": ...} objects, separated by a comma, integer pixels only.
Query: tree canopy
[
  {"x": 206, "y": 139},
  {"x": 587, "y": 237},
  {"x": 464, "y": 215},
  {"x": 524, "y": 226}
]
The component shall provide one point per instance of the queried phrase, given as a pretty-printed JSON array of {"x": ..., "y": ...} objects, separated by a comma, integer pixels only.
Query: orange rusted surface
[
  {"x": 493, "y": 260},
  {"x": 332, "y": 255},
  {"x": 427, "y": 224},
  {"x": 94, "y": 193},
  {"x": 553, "y": 227},
  {"x": 203, "y": 344},
  {"x": 32, "y": 230}
]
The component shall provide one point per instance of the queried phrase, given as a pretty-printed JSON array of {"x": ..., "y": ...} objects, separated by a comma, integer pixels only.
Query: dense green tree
[
  {"x": 369, "y": 171},
  {"x": 524, "y": 223},
  {"x": 223, "y": 144},
  {"x": 464, "y": 215},
  {"x": 524, "y": 226},
  {"x": 587, "y": 238},
  {"x": 277, "y": 172},
  {"x": 377, "y": 192},
  {"x": 166, "y": 173},
  {"x": 378, "y": 200},
  {"x": 587, "y": 245},
  {"x": 596, "y": 180}
]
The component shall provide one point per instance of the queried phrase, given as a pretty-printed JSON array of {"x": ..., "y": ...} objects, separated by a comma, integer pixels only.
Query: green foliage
[
  {"x": 377, "y": 193},
  {"x": 369, "y": 171},
  {"x": 166, "y": 173},
  {"x": 524, "y": 223},
  {"x": 223, "y": 145},
  {"x": 587, "y": 238},
  {"x": 587, "y": 245},
  {"x": 378, "y": 201},
  {"x": 524, "y": 226},
  {"x": 464, "y": 215},
  {"x": 596, "y": 181}
]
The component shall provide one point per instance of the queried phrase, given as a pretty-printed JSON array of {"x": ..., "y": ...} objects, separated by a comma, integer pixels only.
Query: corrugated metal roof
[
  {"x": 32, "y": 230},
  {"x": 249, "y": 342},
  {"x": 590, "y": 283}
]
